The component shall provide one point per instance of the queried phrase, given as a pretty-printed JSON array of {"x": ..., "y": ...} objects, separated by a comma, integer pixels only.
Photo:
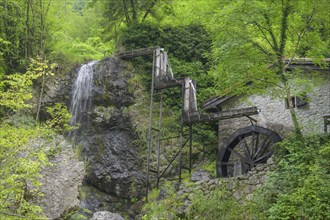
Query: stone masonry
[{"x": 275, "y": 116}]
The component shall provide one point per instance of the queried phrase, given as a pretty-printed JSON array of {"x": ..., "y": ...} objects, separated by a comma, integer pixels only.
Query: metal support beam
[
  {"x": 159, "y": 136},
  {"x": 190, "y": 148},
  {"x": 150, "y": 128}
]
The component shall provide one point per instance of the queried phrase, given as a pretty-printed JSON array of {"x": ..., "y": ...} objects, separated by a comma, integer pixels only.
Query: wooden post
[
  {"x": 326, "y": 119},
  {"x": 181, "y": 125},
  {"x": 193, "y": 99},
  {"x": 157, "y": 65},
  {"x": 186, "y": 95}
]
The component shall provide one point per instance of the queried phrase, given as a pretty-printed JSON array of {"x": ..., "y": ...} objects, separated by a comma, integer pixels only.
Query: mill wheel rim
[{"x": 259, "y": 153}]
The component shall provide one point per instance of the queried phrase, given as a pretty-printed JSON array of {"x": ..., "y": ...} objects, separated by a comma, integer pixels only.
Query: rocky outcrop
[
  {"x": 56, "y": 89},
  {"x": 61, "y": 180},
  {"x": 105, "y": 142},
  {"x": 106, "y": 139},
  {"x": 200, "y": 175}
]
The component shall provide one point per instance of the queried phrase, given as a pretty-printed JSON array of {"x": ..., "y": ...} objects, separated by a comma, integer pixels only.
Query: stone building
[{"x": 274, "y": 114}]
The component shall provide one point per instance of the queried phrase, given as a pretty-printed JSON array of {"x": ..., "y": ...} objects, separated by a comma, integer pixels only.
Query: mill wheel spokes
[{"x": 244, "y": 149}]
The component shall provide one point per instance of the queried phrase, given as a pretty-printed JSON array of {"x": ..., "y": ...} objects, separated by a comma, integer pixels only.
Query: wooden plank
[
  {"x": 167, "y": 83},
  {"x": 136, "y": 53}
]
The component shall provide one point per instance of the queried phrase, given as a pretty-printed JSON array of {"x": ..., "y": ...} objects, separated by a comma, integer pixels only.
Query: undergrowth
[{"x": 299, "y": 188}]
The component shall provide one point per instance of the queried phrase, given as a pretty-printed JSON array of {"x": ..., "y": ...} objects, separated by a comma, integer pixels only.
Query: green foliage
[
  {"x": 164, "y": 208},
  {"x": 21, "y": 155},
  {"x": 59, "y": 119},
  {"x": 299, "y": 188},
  {"x": 217, "y": 205},
  {"x": 254, "y": 35},
  {"x": 24, "y": 29},
  {"x": 21, "y": 159},
  {"x": 186, "y": 53},
  {"x": 20, "y": 119},
  {"x": 17, "y": 87},
  {"x": 251, "y": 39},
  {"x": 129, "y": 13},
  {"x": 75, "y": 35},
  {"x": 187, "y": 57}
]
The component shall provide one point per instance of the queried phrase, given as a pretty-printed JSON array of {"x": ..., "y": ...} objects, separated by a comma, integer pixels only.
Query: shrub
[
  {"x": 300, "y": 187},
  {"x": 21, "y": 161}
]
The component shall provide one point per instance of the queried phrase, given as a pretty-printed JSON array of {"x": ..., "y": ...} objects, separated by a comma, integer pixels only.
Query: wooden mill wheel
[{"x": 244, "y": 149}]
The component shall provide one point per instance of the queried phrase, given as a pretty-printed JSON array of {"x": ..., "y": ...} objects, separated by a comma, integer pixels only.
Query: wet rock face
[
  {"x": 110, "y": 84},
  {"x": 106, "y": 135}
]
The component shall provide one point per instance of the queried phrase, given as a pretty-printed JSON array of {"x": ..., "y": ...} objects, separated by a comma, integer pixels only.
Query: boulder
[
  {"x": 200, "y": 175},
  {"x": 61, "y": 180},
  {"x": 105, "y": 215}
]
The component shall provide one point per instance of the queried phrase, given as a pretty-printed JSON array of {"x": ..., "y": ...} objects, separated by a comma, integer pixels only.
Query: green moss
[
  {"x": 78, "y": 216},
  {"x": 153, "y": 194}
]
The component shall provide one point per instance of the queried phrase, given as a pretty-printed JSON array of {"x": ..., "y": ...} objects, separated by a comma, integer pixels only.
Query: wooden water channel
[{"x": 162, "y": 79}]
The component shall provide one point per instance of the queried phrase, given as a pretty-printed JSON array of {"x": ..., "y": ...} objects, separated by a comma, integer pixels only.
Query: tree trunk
[
  {"x": 40, "y": 96},
  {"x": 134, "y": 12},
  {"x": 293, "y": 113}
]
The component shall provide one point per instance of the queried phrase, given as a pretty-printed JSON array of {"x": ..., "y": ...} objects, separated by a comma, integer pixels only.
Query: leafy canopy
[{"x": 249, "y": 36}]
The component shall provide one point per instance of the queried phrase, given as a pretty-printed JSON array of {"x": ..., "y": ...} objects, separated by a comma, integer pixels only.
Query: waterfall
[{"x": 81, "y": 92}]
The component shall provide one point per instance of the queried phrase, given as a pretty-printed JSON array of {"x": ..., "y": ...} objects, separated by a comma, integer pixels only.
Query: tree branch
[
  {"x": 284, "y": 28},
  {"x": 300, "y": 36},
  {"x": 270, "y": 31},
  {"x": 264, "y": 34},
  {"x": 266, "y": 81},
  {"x": 149, "y": 10},
  {"x": 128, "y": 20}
]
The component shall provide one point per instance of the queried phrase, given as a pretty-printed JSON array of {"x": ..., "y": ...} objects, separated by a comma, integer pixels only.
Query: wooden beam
[
  {"x": 196, "y": 117},
  {"x": 136, "y": 53}
]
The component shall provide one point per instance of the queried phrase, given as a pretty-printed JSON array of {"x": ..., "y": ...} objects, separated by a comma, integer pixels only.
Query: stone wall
[
  {"x": 276, "y": 117},
  {"x": 241, "y": 187}
]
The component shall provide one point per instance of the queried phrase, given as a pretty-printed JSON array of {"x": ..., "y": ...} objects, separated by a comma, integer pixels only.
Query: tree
[
  {"x": 16, "y": 89},
  {"x": 252, "y": 38},
  {"x": 23, "y": 26},
  {"x": 130, "y": 12}
]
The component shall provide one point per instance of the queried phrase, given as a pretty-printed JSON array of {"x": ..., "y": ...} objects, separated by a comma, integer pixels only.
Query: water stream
[{"x": 81, "y": 92}]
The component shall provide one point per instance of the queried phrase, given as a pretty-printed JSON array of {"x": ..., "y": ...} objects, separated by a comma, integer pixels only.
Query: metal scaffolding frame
[{"x": 161, "y": 79}]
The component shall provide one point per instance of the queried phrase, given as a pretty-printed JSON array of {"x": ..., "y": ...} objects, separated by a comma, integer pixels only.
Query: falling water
[{"x": 81, "y": 92}]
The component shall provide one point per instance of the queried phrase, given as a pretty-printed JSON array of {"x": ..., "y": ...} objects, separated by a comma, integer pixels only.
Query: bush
[
  {"x": 21, "y": 161},
  {"x": 300, "y": 187},
  {"x": 217, "y": 205}
]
